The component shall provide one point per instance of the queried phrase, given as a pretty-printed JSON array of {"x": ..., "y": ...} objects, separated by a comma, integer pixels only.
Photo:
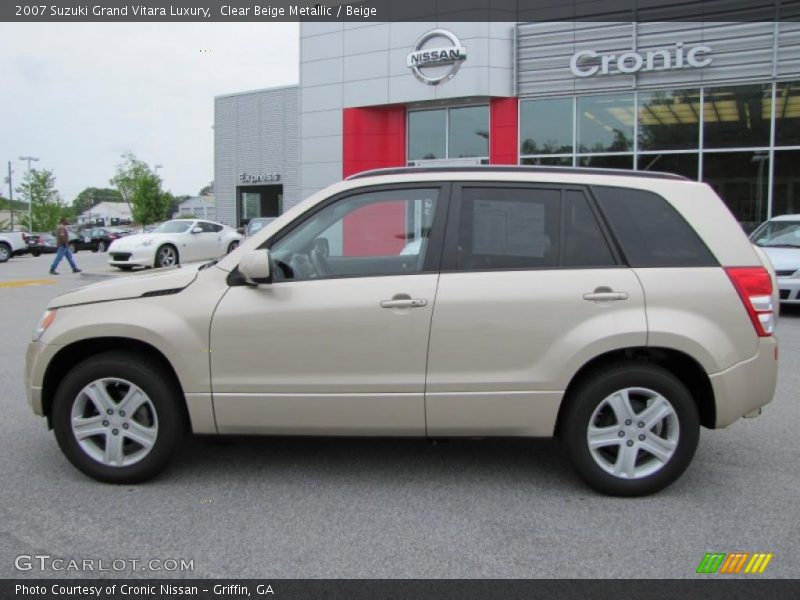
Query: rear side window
[
  {"x": 650, "y": 231},
  {"x": 508, "y": 228}
]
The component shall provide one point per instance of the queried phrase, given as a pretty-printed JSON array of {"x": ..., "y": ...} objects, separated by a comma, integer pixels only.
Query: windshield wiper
[{"x": 779, "y": 245}]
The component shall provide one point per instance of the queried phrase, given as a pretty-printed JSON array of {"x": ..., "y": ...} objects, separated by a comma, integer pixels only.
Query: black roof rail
[{"x": 517, "y": 169}]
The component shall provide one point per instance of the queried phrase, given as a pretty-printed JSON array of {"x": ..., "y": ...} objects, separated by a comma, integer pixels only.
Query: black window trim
[
  {"x": 433, "y": 256},
  {"x": 449, "y": 262}
]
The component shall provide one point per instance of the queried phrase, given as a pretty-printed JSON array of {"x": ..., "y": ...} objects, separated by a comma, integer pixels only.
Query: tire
[
  {"x": 159, "y": 419},
  {"x": 94, "y": 249},
  {"x": 101, "y": 246},
  {"x": 233, "y": 246},
  {"x": 5, "y": 252},
  {"x": 163, "y": 254},
  {"x": 73, "y": 247},
  {"x": 36, "y": 253},
  {"x": 598, "y": 408}
]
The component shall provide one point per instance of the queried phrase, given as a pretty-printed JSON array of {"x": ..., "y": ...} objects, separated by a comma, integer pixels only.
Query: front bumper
[
  {"x": 789, "y": 290},
  {"x": 37, "y": 357},
  {"x": 139, "y": 256},
  {"x": 748, "y": 385}
]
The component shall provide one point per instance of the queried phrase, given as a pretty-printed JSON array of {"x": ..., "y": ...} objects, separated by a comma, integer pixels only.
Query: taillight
[{"x": 754, "y": 286}]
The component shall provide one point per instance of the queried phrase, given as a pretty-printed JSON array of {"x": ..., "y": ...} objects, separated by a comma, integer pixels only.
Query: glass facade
[
  {"x": 448, "y": 133},
  {"x": 743, "y": 140}
]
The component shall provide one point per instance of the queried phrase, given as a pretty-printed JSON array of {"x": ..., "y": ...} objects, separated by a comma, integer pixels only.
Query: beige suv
[{"x": 618, "y": 311}]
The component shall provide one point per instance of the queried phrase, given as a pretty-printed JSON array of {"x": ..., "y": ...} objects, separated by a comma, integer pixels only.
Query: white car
[
  {"x": 173, "y": 242},
  {"x": 780, "y": 239}
]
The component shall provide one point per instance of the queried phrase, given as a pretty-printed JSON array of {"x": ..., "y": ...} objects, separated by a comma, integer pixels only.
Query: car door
[
  {"x": 204, "y": 244},
  {"x": 337, "y": 342},
  {"x": 530, "y": 290}
]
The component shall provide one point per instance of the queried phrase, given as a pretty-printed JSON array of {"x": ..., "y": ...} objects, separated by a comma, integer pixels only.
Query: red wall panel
[
  {"x": 503, "y": 122},
  {"x": 374, "y": 137}
]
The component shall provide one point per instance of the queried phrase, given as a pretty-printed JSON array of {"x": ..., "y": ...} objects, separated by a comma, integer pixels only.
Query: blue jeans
[{"x": 63, "y": 251}]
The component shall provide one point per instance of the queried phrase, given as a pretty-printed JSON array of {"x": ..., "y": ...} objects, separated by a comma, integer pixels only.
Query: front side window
[
  {"x": 368, "y": 234},
  {"x": 173, "y": 227},
  {"x": 508, "y": 228}
]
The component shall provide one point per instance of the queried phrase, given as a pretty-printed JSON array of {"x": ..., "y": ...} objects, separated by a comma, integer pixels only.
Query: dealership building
[{"x": 715, "y": 102}]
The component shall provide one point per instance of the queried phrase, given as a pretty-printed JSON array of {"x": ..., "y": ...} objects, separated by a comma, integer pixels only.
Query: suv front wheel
[
  {"x": 630, "y": 429},
  {"x": 117, "y": 418}
]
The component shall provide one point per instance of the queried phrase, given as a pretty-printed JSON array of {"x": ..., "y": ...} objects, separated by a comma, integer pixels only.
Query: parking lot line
[{"x": 25, "y": 282}]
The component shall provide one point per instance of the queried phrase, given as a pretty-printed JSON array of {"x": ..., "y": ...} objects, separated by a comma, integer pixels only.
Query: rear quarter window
[{"x": 650, "y": 232}]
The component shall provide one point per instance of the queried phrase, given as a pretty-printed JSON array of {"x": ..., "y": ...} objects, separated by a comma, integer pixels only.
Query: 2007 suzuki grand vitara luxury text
[{"x": 617, "y": 311}]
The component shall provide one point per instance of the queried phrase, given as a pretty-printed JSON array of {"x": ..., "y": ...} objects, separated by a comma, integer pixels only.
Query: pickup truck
[{"x": 12, "y": 243}]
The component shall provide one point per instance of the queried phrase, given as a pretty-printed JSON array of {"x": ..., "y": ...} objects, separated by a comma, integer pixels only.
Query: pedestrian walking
[{"x": 62, "y": 241}]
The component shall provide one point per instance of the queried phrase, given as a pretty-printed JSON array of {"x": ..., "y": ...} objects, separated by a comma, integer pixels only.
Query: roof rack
[{"x": 516, "y": 169}]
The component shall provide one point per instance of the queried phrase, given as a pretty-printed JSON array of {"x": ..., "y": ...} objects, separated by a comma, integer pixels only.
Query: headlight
[
  {"x": 45, "y": 322},
  {"x": 147, "y": 242}
]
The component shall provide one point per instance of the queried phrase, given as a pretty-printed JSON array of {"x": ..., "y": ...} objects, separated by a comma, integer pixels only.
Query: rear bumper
[{"x": 746, "y": 386}]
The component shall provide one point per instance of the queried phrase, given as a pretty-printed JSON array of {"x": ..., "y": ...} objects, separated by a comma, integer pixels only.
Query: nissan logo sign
[{"x": 436, "y": 57}]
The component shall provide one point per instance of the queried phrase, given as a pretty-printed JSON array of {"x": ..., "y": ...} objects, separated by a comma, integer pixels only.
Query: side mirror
[
  {"x": 240, "y": 231},
  {"x": 255, "y": 267},
  {"x": 197, "y": 230}
]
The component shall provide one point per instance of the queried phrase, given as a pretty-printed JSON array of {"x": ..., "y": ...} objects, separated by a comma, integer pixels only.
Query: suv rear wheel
[
  {"x": 117, "y": 418},
  {"x": 631, "y": 429}
]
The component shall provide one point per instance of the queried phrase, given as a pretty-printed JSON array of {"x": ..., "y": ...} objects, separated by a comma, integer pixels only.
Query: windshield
[
  {"x": 777, "y": 234},
  {"x": 173, "y": 227}
]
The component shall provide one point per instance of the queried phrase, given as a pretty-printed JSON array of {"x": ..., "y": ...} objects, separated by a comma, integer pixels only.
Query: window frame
[
  {"x": 449, "y": 262},
  {"x": 433, "y": 254}
]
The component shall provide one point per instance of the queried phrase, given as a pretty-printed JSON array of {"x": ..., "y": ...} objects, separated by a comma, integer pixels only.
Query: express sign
[{"x": 587, "y": 63}]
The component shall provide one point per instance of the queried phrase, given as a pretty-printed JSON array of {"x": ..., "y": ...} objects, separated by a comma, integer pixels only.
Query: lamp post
[
  {"x": 30, "y": 191},
  {"x": 156, "y": 168}
]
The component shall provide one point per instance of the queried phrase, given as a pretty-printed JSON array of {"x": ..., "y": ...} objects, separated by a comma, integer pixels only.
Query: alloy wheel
[
  {"x": 114, "y": 422},
  {"x": 167, "y": 257},
  {"x": 633, "y": 433}
]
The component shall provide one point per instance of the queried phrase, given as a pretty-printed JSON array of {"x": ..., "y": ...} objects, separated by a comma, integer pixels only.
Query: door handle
[
  {"x": 404, "y": 303},
  {"x": 605, "y": 295}
]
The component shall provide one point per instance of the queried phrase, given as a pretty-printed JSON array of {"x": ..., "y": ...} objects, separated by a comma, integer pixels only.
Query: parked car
[
  {"x": 42, "y": 243},
  {"x": 173, "y": 242},
  {"x": 523, "y": 315},
  {"x": 780, "y": 239},
  {"x": 12, "y": 243},
  {"x": 96, "y": 239}
]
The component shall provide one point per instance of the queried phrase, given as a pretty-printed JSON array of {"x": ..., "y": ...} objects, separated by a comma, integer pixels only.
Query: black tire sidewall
[
  {"x": 599, "y": 386},
  {"x": 153, "y": 381}
]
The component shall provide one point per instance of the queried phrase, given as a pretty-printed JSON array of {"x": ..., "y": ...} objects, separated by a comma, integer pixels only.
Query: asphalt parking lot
[{"x": 279, "y": 507}]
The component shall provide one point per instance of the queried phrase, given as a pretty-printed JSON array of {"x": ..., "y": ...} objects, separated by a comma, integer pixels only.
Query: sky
[{"x": 79, "y": 95}]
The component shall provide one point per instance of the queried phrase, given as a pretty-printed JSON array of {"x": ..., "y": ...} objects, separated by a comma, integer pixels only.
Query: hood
[
  {"x": 133, "y": 240},
  {"x": 783, "y": 259},
  {"x": 129, "y": 287}
]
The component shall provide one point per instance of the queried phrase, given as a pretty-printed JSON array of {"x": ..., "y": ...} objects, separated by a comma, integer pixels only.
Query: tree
[
  {"x": 39, "y": 188},
  {"x": 140, "y": 187},
  {"x": 92, "y": 196},
  {"x": 207, "y": 190}
]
